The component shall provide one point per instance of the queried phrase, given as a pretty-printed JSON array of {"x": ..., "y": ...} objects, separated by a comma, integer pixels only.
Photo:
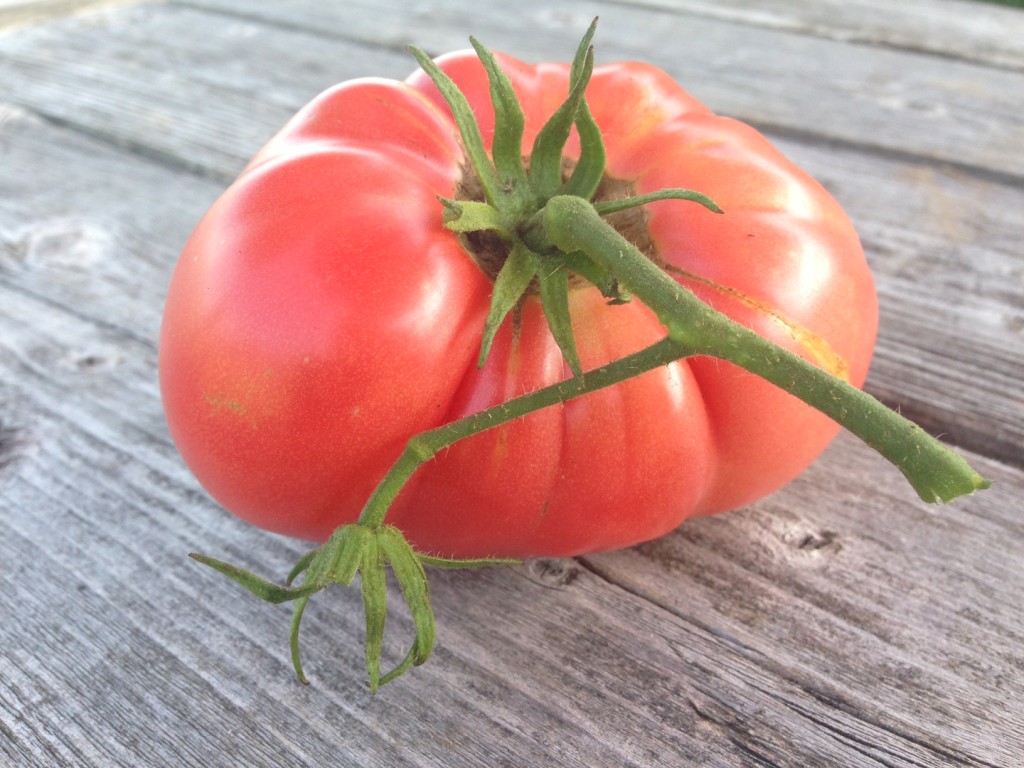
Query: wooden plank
[
  {"x": 142, "y": 79},
  {"x": 80, "y": 231},
  {"x": 788, "y": 633},
  {"x": 786, "y": 636},
  {"x": 959, "y": 29},
  {"x": 852, "y": 574},
  {"x": 18, "y": 13},
  {"x": 955, "y": 110},
  {"x": 827, "y": 625}
]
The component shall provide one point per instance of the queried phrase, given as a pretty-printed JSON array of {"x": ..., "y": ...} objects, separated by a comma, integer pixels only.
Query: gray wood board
[
  {"x": 943, "y": 28},
  {"x": 837, "y": 622},
  {"x": 825, "y": 624},
  {"x": 16, "y": 13},
  {"x": 957, "y": 111}
]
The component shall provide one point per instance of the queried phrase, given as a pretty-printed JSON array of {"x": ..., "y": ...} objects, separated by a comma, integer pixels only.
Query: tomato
[{"x": 321, "y": 314}]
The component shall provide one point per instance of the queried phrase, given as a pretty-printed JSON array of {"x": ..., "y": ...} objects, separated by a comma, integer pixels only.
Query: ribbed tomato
[{"x": 321, "y": 314}]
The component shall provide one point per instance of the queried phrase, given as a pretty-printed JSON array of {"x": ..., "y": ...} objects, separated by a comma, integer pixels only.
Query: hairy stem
[
  {"x": 422, "y": 447},
  {"x": 936, "y": 473}
]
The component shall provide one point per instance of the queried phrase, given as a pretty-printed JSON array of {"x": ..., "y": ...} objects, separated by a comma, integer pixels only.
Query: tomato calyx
[
  {"x": 367, "y": 550},
  {"x": 489, "y": 246},
  {"x": 503, "y": 195}
]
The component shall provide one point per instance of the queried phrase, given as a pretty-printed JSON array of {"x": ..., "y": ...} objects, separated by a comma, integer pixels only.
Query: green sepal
[
  {"x": 470, "y": 216},
  {"x": 263, "y": 589},
  {"x": 579, "y": 59},
  {"x": 301, "y": 566},
  {"x": 507, "y": 143},
  {"x": 413, "y": 582},
  {"x": 512, "y": 282},
  {"x": 553, "y": 281},
  {"x": 293, "y": 639},
  {"x": 546, "y": 157},
  {"x": 605, "y": 281},
  {"x": 452, "y": 563},
  {"x": 472, "y": 140},
  {"x": 375, "y": 606},
  {"x": 407, "y": 663},
  {"x": 347, "y": 556},
  {"x": 587, "y": 174},
  {"x": 606, "y": 207}
]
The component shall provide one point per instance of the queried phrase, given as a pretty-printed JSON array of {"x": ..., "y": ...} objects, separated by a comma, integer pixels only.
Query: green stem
[
  {"x": 606, "y": 207},
  {"x": 422, "y": 447},
  {"x": 936, "y": 473},
  {"x": 694, "y": 328},
  {"x": 572, "y": 224}
]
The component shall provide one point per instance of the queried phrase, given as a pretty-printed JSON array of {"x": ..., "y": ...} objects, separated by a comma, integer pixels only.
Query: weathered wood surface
[{"x": 837, "y": 622}]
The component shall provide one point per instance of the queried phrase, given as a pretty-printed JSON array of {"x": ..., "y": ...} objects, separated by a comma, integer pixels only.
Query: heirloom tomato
[{"x": 322, "y": 314}]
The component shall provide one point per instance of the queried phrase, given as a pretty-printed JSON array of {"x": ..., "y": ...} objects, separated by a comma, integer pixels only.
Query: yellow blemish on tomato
[
  {"x": 240, "y": 404},
  {"x": 501, "y": 448},
  {"x": 220, "y": 402},
  {"x": 702, "y": 144},
  {"x": 816, "y": 347}
]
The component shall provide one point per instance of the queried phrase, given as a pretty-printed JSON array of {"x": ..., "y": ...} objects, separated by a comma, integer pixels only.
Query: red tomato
[{"x": 321, "y": 314}]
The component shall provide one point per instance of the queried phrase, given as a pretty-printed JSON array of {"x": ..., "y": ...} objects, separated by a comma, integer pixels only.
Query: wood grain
[
  {"x": 18, "y": 13},
  {"x": 956, "y": 111},
  {"x": 950, "y": 29},
  {"x": 838, "y": 622}
]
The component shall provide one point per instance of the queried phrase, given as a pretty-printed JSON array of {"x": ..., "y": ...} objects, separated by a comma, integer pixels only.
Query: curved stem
[
  {"x": 936, "y": 473},
  {"x": 568, "y": 233},
  {"x": 694, "y": 328},
  {"x": 422, "y": 447}
]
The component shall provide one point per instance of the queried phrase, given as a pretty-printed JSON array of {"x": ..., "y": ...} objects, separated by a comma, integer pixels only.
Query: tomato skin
[
  {"x": 320, "y": 315},
  {"x": 291, "y": 346}
]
